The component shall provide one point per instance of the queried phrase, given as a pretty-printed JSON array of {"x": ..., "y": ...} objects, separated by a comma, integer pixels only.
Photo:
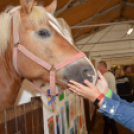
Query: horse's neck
[{"x": 10, "y": 82}]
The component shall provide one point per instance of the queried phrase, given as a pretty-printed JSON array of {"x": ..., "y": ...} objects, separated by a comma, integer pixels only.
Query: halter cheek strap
[{"x": 39, "y": 61}]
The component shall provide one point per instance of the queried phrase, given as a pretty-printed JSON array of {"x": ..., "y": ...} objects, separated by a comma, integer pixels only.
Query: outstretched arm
[
  {"x": 118, "y": 99},
  {"x": 120, "y": 112}
]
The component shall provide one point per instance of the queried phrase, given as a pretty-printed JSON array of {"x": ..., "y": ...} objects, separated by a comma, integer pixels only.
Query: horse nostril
[{"x": 86, "y": 74}]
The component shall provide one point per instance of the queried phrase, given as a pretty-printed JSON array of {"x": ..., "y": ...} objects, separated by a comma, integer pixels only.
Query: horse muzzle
[{"x": 80, "y": 71}]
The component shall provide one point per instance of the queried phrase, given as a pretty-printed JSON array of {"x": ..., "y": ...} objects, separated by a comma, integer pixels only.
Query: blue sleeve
[
  {"x": 117, "y": 98},
  {"x": 120, "y": 112}
]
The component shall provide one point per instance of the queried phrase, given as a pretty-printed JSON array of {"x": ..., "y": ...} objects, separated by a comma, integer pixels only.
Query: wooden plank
[
  {"x": 111, "y": 3},
  {"x": 40, "y": 114},
  {"x": 128, "y": 12},
  {"x": 130, "y": 0},
  {"x": 35, "y": 117},
  {"x": 74, "y": 1},
  {"x": 60, "y": 3},
  {"x": 105, "y": 18},
  {"x": 85, "y": 10},
  {"x": 5, "y": 3},
  {"x": 11, "y": 123},
  {"x": 41, "y": 122},
  {"x": 21, "y": 119},
  {"x": 28, "y": 118},
  {"x": 87, "y": 114}
]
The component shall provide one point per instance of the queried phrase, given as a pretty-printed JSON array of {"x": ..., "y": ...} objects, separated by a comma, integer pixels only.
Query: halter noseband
[{"x": 39, "y": 61}]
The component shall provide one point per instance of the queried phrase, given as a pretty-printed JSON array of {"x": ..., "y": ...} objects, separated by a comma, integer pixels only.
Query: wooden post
[{"x": 87, "y": 114}]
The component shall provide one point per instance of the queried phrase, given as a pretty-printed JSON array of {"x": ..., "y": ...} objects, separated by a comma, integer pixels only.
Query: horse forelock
[{"x": 36, "y": 17}]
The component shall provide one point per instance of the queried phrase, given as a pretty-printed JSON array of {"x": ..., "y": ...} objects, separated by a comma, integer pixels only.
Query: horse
[{"x": 40, "y": 38}]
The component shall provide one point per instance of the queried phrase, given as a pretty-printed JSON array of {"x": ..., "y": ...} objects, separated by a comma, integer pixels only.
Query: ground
[{"x": 99, "y": 125}]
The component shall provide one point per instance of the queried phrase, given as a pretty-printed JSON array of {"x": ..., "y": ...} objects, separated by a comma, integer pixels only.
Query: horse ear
[
  {"x": 52, "y": 7},
  {"x": 27, "y": 5}
]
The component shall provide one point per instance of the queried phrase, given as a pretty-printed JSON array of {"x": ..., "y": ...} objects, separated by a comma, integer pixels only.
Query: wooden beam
[
  {"x": 85, "y": 10},
  {"x": 104, "y": 18},
  {"x": 129, "y": 4},
  {"x": 107, "y": 11},
  {"x": 115, "y": 55},
  {"x": 60, "y": 3},
  {"x": 106, "y": 42},
  {"x": 128, "y": 12},
  {"x": 104, "y": 24},
  {"x": 70, "y": 4},
  {"x": 93, "y": 31},
  {"x": 6, "y": 3},
  {"x": 88, "y": 31},
  {"x": 63, "y": 8},
  {"x": 100, "y": 14},
  {"x": 88, "y": 34},
  {"x": 81, "y": 32},
  {"x": 127, "y": 48}
]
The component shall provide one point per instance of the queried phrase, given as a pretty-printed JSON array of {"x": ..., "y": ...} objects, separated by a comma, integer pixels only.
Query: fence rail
[{"x": 23, "y": 119}]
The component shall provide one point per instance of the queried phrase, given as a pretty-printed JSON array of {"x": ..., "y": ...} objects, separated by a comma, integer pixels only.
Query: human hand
[
  {"x": 102, "y": 84},
  {"x": 90, "y": 91}
]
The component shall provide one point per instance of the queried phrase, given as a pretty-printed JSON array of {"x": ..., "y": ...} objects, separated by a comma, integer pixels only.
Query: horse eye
[{"x": 44, "y": 33}]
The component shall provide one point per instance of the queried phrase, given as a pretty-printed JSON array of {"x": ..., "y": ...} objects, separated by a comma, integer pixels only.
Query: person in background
[
  {"x": 102, "y": 67},
  {"x": 123, "y": 86},
  {"x": 128, "y": 71},
  {"x": 109, "y": 124},
  {"x": 112, "y": 70}
]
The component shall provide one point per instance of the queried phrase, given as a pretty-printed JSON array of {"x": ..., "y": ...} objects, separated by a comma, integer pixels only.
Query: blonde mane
[
  {"x": 38, "y": 16},
  {"x": 5, "y": 31}
]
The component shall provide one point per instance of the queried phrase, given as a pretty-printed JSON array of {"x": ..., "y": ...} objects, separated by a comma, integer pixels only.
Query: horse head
[{"x": 41, "y": 34}]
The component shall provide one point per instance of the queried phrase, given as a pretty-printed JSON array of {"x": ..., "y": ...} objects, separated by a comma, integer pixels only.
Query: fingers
[
  {"x": 72, "y": 86},
  {"x": 77, "y": 88},
  {"x": 77, "y": 91},
  {"x": 87, "y": 83},
  {"x": 72, "y": 89},
  {"x": 90, "y": 91},
  {"x": 76, "y": 84}
]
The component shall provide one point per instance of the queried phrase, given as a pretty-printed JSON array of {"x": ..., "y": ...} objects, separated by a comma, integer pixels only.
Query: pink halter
[{"x": 38, "y": 60}]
